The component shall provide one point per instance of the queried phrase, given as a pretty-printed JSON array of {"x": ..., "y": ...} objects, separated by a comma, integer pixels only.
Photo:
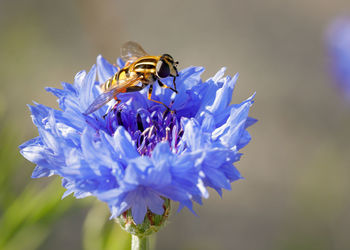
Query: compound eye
[{"x": 163, "y": 69}]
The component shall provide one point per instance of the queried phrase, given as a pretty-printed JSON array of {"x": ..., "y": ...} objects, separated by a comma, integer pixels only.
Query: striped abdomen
[
  {"x": 145, "y": 64},
  {"x": 142, "y": 66},
  {"x": 120, "y": 75}
]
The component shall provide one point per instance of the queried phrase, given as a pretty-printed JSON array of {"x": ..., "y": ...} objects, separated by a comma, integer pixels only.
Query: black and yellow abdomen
[{"x": 146, "y": 64}]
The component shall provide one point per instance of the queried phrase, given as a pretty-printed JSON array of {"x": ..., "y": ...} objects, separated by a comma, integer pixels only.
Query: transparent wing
[
  {"x": 110, "y": 93},
  {"x": 130, "y": 51},
  {"x": 100, "y": 101}
]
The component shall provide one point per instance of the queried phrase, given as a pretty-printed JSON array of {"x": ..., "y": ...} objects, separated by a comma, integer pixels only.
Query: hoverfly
[{"x": 140, "y": 70}]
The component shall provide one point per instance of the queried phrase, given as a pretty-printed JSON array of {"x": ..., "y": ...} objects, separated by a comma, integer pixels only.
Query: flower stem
[{"x": 138, "y": 243}]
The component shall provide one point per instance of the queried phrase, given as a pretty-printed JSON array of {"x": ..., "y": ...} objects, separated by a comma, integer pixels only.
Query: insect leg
[
  {"x": 118, "y": 100},
  {"x": 150, "y": 97},
  {"x": 166, "y": 86},
  {"x": 113, "y": 108},
  {"x": 174, "y": 84},
  {"x": 116, "y": 104}
]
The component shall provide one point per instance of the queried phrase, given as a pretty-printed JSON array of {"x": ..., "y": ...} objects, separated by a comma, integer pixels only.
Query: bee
[{"x": 140, "y": 70}]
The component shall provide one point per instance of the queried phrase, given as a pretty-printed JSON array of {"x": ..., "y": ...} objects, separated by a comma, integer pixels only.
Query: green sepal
[{"x": 151, "y": 224}]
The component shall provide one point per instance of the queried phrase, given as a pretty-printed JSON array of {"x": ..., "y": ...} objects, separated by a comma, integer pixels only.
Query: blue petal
[
  {"x": 118, "y": 210},
  {"x": 87, "y": 89},
  {"x": 208, "y": 96},
  {"x": 32, "y": 142},
  {"x": 120, "y": 63},
  {"x": 186, "y": 81},
  {"x": 57, "y": 92},
  {"x": 190, "y": 76},
  {"x": 35, "y": 154},
  {"x": 229, "y": 134},
  {"x": 194, "y": 136},
  {"x": 187, "y": 204},
  {"x": 42, "y": 172},
  {"x": 249, "y": 122},
  {"x": 217, "y": 178},
  {"x": 223, "y": 95},
  {"x": 215, "y": 157},
  {"x": 78, "y": 80},
  {"x": 161, "y": 157},
  {"x": 231, "y": 172},
  {"x": 87, "y": 184},
  {"x": 208, "y": 122},
  {"x": 176, "y": 193},
  {"x": 123, "y": 144},
  {"x": 69, "y": 88},
  {"x": 105, "y": 70},
  {"x": 138, "y": 208},
  {"x": 245, "y": 139},
  {"x": 111, "y": 195},
  {"x": 49, "y": 140},
  {"x": 38, "y": 115},
  {"x": 87, "y": 144},
  {"x": 154, "y": 203},
  {"x": 136, "y": 172},
  {"x": 219, "y": 75},
  {"x": 81, "y": 194}
]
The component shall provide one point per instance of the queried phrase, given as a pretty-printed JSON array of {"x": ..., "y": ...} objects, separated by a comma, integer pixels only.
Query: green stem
[{"x": 139, "y": 243}]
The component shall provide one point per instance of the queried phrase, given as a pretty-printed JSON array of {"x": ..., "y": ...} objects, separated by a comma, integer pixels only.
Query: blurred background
[{"x": 296, "y": 168}]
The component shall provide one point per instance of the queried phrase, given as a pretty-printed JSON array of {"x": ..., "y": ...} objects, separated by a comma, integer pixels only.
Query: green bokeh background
[{"x": 296, "y": 169}]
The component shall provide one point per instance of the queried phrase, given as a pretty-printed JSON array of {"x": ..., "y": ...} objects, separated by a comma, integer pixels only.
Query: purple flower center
[{"x": 147, "y": 127}]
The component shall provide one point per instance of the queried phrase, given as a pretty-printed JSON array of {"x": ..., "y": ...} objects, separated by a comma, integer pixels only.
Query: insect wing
[
  {"x": 100, "y": 101},
  {"x": 130, "y": 51},
  {"x": 105, "y": 97}
]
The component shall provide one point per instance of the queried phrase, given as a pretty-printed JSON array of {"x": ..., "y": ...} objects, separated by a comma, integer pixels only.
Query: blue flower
[
  {"x": 338, "y": 45},
  {"x": 138, "y": 155}
]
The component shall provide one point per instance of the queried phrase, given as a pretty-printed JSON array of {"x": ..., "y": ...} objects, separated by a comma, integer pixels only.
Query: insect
[{"x": 139, "y": 71}]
